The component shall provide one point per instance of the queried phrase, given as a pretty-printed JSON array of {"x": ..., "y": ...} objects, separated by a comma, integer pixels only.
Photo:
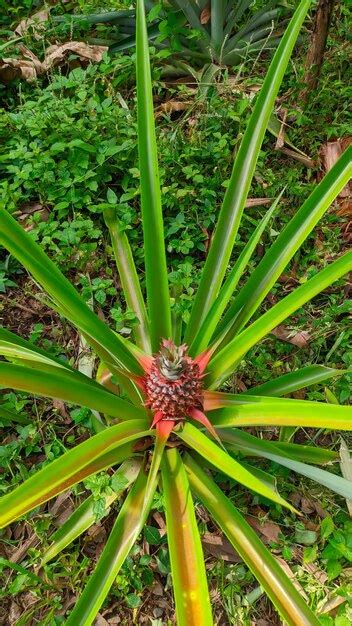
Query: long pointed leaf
[
  {"x": 222, "y": 365},
  {"x": 285, "y": 246},
  {"x": 129, "y": 278},
  {"x": 127, "y": 527},
  {"x": 246, "y": 542},
  {"x": 253, "y": 446},
  {"x": 83, "y": 517},
  {"x": 289, "y": 413},
  {"x": 187, "y": 561},
  {"x": 241, "y": 178},
  {"x": 293, "y": 381},
  {"x": 85, "y": 459},
  {"x": 24, "y": 248},
  {"x": 209, "y": 324},
  {"x": 154, "y": 247},
  {"x": 195, "y": 439},
  {"x": 65, "y": 385},
  {"x": 336, "y": 483}
]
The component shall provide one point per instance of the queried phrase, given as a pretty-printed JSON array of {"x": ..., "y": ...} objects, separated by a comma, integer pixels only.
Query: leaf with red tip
[
  {"x": 163, "y": 429},
  {"x": 157, "y": 417},
  {"x": 203, "y": 359},
  {"x": 199, "y": 416}
]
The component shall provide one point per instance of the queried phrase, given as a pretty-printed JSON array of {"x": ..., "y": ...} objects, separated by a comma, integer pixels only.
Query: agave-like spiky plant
[{"x": 174, "y": 427}]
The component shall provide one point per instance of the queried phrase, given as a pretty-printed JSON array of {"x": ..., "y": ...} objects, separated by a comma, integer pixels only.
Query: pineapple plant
[{"x": 171, "y": 425}]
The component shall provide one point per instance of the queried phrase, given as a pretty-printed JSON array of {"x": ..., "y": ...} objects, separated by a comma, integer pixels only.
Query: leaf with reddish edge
[
  {"x": 199, "y": 416},
  {"x": 65, "y": 385},
  {"x": 127, "y": 527},
  {"x": 195, "y": 439},
  {"x": 246, "y": 542},
  {"x": 84, "y": 516},
  {"x": 87, "y": 458},
  {"x": 193, "y": 607}
]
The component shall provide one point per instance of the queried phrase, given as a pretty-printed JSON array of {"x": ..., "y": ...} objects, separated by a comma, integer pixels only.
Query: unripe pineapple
[{"x": 173, "y": 385}]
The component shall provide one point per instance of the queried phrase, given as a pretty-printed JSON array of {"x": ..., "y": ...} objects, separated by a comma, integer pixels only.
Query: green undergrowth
[{"x": 68, "y": 150}]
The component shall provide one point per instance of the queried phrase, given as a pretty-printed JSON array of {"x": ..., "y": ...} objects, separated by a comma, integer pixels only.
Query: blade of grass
[
  {"x": 189, "y": 577},
  {"x": 223, "y": 364},
  {"x": 246, "y": 542},
  {"x": 69, "y": 469},
  {"x": 241, "y": 178},
  {"x": 153, "y": 230}
]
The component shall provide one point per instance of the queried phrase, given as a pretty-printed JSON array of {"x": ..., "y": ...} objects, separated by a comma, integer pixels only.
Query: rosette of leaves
[
  {"x": 174, "y": 425},
  {"x": 201, "y": 31}
]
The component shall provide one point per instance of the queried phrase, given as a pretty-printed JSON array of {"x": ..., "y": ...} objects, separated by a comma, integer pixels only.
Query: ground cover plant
[{"x": 179, "y": 359}]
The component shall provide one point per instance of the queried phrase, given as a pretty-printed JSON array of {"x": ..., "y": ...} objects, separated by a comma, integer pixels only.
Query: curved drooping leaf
[
  {"x": 124, "y": 534},
  {"x": 284, "y": 247},
  {"x": 85, "y": 459},
  {"x": 9, "y": 337},
  {"x": 281, "y": 413},
  {"x": 66, "y": 385},
  {"x": 235, "y": 441},
  {"x": 64, "y": 295},
  {"x": 246, "y": 542},
  {"x": 248, "y": 444},
  {"x": 241, "y": 177},
  {"x": 189, "y": 578},
  {"x": 199, "y": 442},
  {"x": 222, "y": 365},
  {"x": 158, "y": 298},
  {"x": 293, "y": 381},
  {"x": 84, "y": 516}
]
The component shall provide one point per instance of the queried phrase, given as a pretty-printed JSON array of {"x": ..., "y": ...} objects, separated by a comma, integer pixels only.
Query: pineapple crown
[{"x": 172, "y": 360}]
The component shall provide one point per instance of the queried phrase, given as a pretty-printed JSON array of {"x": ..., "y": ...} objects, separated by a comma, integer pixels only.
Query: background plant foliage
[{"x": 83, "y": 104}]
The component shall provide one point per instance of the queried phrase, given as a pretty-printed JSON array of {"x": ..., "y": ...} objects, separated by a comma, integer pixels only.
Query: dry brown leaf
[
  {"x": 332, "y": 604},
  {"x": 219, "y": 547},
  {"x": 30, "y": 67},
  {"x": 308, "y": 162},
  {"x": 257, "y": 202},
  {"x": 299, "y": 339},
  {"x": 329, "y": 153},
  {"x": 57, "y": 53},
  {"x": 291, "y": 575},
  {"x": 11, "y": 69},
  {"x": 35, "y": 23},
  {"x": 269, "y": 530},
  {"x": 205, "y": 15},
  {"x": 172, "y": 106}
]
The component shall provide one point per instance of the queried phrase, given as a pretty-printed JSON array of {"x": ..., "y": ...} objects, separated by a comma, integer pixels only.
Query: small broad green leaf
[
  {"x": 305, "y": 537},
  {"x": 152, "y": 535},
  {"x": 326, "y": 527}
]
